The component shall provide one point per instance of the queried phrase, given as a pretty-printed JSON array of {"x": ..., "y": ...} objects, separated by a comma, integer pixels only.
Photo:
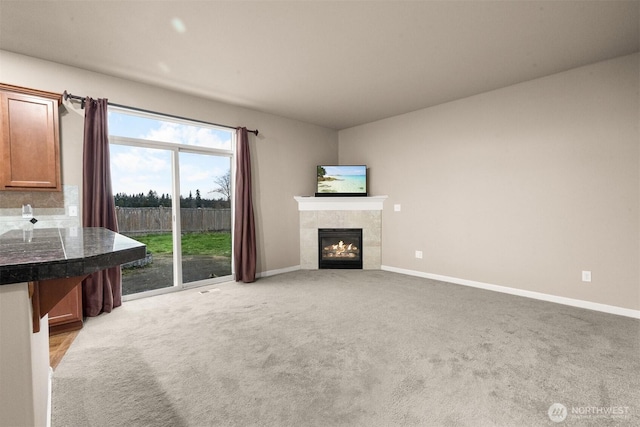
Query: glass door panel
[
  {"x": 205, "y": 216},
  {"x": 142, "y": 180}
]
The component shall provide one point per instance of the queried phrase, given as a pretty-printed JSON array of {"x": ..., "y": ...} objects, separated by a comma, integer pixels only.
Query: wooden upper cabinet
[{"x": 30, "y": 144}]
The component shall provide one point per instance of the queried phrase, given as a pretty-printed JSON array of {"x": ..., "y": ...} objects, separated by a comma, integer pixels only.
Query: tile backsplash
[
  {"x": 43, "y": 199},
  {"x": 51, "y": 209}
]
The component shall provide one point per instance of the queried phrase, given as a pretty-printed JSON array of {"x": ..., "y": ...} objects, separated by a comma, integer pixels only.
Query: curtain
[
  {"x": 244, "y": 233},
  {"x": 102, "y": 291}
]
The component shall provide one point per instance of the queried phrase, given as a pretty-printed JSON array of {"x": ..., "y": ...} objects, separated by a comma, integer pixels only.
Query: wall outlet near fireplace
[
  {"x": 586, "y": 276},
  {"x": 419, "y": 254}
]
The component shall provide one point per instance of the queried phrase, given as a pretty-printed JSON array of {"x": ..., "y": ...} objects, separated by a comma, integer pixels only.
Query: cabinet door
[
  {"x": 67, "y": 314},
  {"x": 30, "y": 143}
]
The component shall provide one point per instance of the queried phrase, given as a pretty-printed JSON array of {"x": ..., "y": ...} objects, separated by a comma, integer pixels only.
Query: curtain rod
[{"x": 82, "y": 100}]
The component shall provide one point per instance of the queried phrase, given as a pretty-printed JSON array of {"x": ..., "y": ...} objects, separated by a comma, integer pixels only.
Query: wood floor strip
[{"x": 58, "y": 346}]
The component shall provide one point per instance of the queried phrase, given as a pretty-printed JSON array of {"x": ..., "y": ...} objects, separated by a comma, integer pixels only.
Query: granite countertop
[{"x": 53, "y": 253}]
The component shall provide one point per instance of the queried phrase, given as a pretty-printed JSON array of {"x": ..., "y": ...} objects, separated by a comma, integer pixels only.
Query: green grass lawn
[{"x": 192, "y": 243}]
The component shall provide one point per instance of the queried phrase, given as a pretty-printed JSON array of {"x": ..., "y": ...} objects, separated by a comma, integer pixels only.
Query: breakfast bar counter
[
  {"x": 53, "y": 253},
  {"x": 39, "y": 267}
]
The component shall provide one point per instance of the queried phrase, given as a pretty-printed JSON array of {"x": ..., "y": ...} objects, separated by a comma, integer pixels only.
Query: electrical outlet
[
  {"x": 73, "y": 211},
  {"x": 586, "y": 276},
  {"x": 419, "y": 254},
  {"x": 397, "y": 208}
]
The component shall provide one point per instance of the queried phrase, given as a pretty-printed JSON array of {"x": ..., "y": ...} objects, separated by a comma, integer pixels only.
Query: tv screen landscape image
[{"x": 347, "y": 180}]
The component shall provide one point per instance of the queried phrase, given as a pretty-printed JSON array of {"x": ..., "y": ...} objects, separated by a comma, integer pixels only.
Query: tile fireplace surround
[{"x": 341, "y": 212}]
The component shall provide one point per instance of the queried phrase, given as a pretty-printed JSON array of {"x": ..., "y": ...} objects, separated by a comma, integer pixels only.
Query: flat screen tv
[{"x": 344, "y": 180}]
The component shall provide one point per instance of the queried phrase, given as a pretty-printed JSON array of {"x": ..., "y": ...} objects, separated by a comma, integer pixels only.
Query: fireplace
[
  {"x": 340, "y": 248},
  {"x": 341, "y": 212}
]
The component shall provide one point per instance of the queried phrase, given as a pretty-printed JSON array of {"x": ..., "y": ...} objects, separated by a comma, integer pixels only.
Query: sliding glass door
[
  {"x": 205, "y": 217},
  {"x": 172, "y": 188},
  {"x": 144, "y": 208}
]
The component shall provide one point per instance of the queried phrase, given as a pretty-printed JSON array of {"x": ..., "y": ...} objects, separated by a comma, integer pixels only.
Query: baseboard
[
  {"x": 611, "y": 309},
  {"x": 278, "y": 271}
]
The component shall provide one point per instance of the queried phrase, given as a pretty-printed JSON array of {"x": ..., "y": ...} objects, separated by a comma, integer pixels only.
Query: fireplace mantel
[{"x": 371, "y": 203}]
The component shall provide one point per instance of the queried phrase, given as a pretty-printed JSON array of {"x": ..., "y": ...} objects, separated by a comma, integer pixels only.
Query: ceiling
[{"x": 333, "y": 63}]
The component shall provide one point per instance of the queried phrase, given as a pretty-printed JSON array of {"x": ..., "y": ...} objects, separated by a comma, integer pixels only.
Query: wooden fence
[{"x": 139, "y": 221}]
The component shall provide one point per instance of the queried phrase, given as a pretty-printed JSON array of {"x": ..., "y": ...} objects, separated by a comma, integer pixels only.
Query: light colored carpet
[{"x": 348, "y": 348}]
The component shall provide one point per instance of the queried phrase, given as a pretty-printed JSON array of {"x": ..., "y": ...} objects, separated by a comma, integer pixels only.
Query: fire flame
[{"x": 341, "y": 250}]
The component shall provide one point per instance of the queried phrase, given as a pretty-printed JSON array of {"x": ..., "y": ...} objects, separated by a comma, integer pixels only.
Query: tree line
[{"x": 153, "y": 200}]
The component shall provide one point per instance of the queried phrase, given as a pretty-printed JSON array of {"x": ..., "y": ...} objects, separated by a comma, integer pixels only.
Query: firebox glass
[{"x": 340, "y": 248}]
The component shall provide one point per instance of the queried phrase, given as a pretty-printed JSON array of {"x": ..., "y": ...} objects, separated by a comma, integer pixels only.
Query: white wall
[
  {"x": 24, "y": 360},
  {"x": 522, "y": 187},
  {"x": 284, "y": 155}
]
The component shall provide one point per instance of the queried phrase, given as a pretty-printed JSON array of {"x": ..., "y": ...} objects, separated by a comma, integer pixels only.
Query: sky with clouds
[{"x": 137, "y": 170}]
